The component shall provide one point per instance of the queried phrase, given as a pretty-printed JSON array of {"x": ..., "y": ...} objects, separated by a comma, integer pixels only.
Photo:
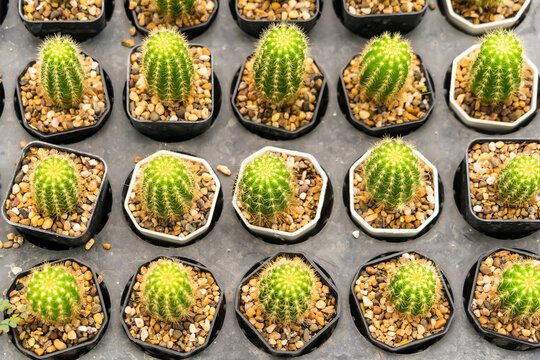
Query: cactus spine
[
  {"x": 519, "y": 290},
  {"x": 173, "y": 7},
  {"x": 519, "y": 180}
]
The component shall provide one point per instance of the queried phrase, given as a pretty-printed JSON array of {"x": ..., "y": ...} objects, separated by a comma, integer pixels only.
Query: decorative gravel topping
[
  {"x": 41, "y": 10},
  {"x": 477, "y": 14},
  {"x": 367, "y": 7},
  {"x": 277, "y": 10}
]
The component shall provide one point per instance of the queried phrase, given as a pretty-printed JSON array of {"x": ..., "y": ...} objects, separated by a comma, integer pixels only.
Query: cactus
[
  {"x": 385, "y": 66},
  {"x": 392, "y": 173},
  {"x": 56, "y": 186},
  {"x": 489, "y": 3},
  {"x": 168, "y": 65},
  {"x": 168, "y": 186},
  {"x": 62, "y": 76},
  {"x": 498, "y": 69},
  {"x": 54, "y": 294},
  {"x": 519, "y": 180},
  {"x": 173, "y": 8},
  {"x": 168, "y": 290},
  {"x": 266, "y": 187},
  {"x": 280, "y": 63},
  {"x": 286, "y": 288},
  {"x": 519, "y": 290}
]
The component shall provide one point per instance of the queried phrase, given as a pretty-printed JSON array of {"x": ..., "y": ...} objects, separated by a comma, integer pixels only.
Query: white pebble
[
  {"x": 356, "y": 234},
  {"x": 477, "y": 208},
  {"x": 490, "y": 180},
  {"x": 139, "y": 322}
]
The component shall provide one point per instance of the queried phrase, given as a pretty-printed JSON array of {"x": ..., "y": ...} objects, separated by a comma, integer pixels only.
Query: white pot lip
[
  {"x": 477, "y": 29},
  {"x": 393, "y": 233},
  {"x": 489, "y": 124},
  {"x": 167, "y": 237},
  {"x": 283, "y": 235}
]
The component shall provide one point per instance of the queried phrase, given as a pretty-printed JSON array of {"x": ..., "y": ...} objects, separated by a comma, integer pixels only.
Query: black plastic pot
[
  {"x": 174, "y": 130},
  {"x": 388, "y": 130},
  {"x": 253, "y": 334},
  {"x": 273, "y": 133},
  {"x": 49, "y": 239},
  {"x": 163, "y": 352},
  {"x": 76, "y": 351},
  {"x": 256, "y": 27},
  {"x": 363, "y": 326},
  {"x": 503, "y": 341},
  {"x": 3, "y": 10},
  {"x": 2, "y": 97},
  {"x": 72, "y": 135},
  {"x": 79, "y": 30},
  {"x": 497, "y": 228}
]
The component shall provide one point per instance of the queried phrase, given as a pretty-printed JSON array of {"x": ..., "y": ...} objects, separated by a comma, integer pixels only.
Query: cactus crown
[
  {"x": 286, "y": 289},
  {"x": 280, "y": 63},
  {"x": 385, "y": 66},
  {"x": 62, "y": 75},
  {"x": 168, "y": 186},
  {"x": 54, "y": 294},
  {"x": 168, "y": 290},
  {"x": 392, "y": 173},
  {"x": 498, "y": 69},
  {"x": 519, "y": 290},
  {"x": 56, "y": 186},
  {"x": 168, "y": 65},
  {"x": 519, "y": 180},
  {"x": 173, "y": 7}
]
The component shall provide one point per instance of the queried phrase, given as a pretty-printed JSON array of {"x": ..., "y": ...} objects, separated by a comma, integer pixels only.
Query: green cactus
[
  {"x": 168, "y": 65},
  {"x": 168, "y": 290},
  {"x": 519, "y": 180},
  {"x": 280, "y": 63},
  {"x": 385, "y": 66},
  {"x": 62, "y": 75},
  {"x": 392, "y": 173},
  {"x": 498, "y": 69},
  {"x": 286, "y": 288},
  {"x": 56, "y": 186},
  {"x": 519, "y": 290},
  {"x": 54, "y": 294},
  {"x": 168, "y": 186},
  {"x": 173, "y": 8},
  {"x": 489, "y": 3}
]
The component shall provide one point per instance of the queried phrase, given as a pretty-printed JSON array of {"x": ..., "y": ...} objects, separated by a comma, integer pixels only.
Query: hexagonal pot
[
  {"x": 488, "y": 126},
  {"x": 253, "y": 334},
  {"x": 363, "y": 326},
  {"x": 78, "y": 350},
  {"x": 500, "y": 340},
  {"x": 163, "y": 352},
  {"x": 282, "y": 237}
]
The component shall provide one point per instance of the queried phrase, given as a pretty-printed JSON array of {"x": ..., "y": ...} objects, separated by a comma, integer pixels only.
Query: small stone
[
  {"x": 59, "y": 345},
  {"x": 89, "y": 244},
  {"x": 128, "y": 43},
  {"x": 356, "y": 234},
  {"x": 223, "y": 169},
  {"x": 106, "y": 246},
  {"x": 139, "y": 322}
]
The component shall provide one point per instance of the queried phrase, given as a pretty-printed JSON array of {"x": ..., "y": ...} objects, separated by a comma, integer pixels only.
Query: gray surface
[{"x": 229, "y": 250}]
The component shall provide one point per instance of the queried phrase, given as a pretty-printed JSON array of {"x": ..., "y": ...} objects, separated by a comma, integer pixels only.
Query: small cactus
[
  {"x": 168, "y": 186},
  {"x": 173, "y": 8},
  {"x": 489, "y": 3},
  {"x": 498, "y": 69},
  {"x": 519, "y": 180},
  {"x": 168, "y": 290},
  {"x": 519, "y": 290},
  {"x": 385, "y": 66},
  {"x": 168, "y": 65},
  {"x": 55, "y": 186},
  {"x": 280, "y": 63},
  {"x": 392, "y": 173},
  {"x": 61, "y": 73}
]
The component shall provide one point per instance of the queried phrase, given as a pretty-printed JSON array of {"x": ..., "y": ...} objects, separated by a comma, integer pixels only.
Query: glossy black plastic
[
  {"x": 3, "y": 10},
  {"x": 2, "y": 98}
]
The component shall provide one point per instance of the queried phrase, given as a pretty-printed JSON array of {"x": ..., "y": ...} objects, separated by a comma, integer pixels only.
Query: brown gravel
[
  {"x": 82, "y": 10},
  {"x": 367, "y": 7},
  {"x": 277, "y": 10},
  {"x": 477, "y": 14},
  {"x": 13, "y": 241}
]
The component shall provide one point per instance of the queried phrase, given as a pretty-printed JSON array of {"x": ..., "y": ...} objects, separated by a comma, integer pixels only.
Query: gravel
[
  {"x": 277, "y": 10},
  {"x": 372, "y": 7},
  {"x": 82, "y": 10},
  {"x": 477, "y": 14}
]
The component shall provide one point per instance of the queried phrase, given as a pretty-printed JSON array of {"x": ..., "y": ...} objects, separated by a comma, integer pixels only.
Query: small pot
[
  {"x": 503, "y": 341},
  {"x": 3, "y": 10},
  {"x": 174, "y": 130},
  {"x": 488, "y": 126},
  {"x": 273, "y": 133},
  {"x": 363, "y": 326},
  {"x": 256, "y": 27},
  {"x": 283, "y": 237},
  {"x": 162, "y": 239},
  {"x": 163, "y": 352},
  {"x": 253, "y": 334},
  {"x": 78, "y": 350},
  {"x": 388, "y": 130}
]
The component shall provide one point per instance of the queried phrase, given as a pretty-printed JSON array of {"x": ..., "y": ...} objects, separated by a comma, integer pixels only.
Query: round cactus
[
  {"x": 167, "y": 65},
  {"x": 56, "y": 186},
  {"x": 498, "y": 69},
  {"x": 392, "y": 173},
  {"x": 384, "y": 67},
  {"x": 519, "y": 290},
  {"x": 280, "y": 63},
  {"x": 519, "y": 180},
  {"x": 173, "y": 7},
  {"x": 62, "y": 75},
  {"x": 168, "y": 186}
]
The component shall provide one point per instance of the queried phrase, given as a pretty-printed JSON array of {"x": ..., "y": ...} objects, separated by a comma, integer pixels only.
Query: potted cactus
[
  {"x": 282, "y": 196},
  {"x": 393, "y": 192},
  {"x": 172, "y": 308},
  {"x": 68, "y": 308},
  {"x": 274, "y": 322},
  {"x": 494, "y": 101},
  {"x": 379, "y": 104},
  {"x": 280, "y": 92},
  {"x": 171, "y": 91}
]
